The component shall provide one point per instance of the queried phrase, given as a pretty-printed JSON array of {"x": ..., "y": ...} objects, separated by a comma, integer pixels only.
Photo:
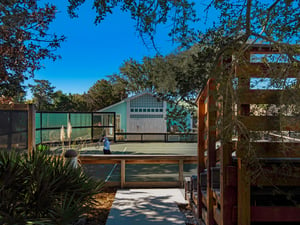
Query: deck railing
[{"x": 123, "y": 160}]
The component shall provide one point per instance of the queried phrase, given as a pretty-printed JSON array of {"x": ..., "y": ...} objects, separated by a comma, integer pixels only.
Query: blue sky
[{"x": 92, "y": 52}]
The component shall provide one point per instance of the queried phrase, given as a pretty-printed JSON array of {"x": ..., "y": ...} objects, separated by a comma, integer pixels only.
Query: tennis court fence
[
  {"x": 23, "y": 128},
  {"x": 156, "y": 137}
]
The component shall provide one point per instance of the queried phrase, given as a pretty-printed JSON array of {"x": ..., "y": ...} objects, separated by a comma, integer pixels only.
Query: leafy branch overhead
[
  {"x": 148, "y": 15},
  {"x": 24, "y": 42}
]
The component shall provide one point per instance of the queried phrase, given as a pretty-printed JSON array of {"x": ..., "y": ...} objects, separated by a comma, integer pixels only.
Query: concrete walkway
[{"x": 147, "y": 207}]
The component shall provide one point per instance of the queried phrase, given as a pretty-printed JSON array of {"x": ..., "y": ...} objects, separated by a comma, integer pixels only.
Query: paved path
[{"x": 146, "y": 207}]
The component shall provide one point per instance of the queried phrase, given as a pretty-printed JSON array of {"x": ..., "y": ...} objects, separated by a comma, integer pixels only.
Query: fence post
[
  {"x": 181, "y": 172},
  {"x": 31, "y": 128},
  {"x": 92, "y": 127},
  {"x": 123, "y": 173}
]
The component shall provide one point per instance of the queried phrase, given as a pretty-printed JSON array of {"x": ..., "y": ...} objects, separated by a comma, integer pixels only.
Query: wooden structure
[
  {"x": 17, "y": 127},
  {"x": 124, "y": 160},
  {"x": 239, "y": 181}
]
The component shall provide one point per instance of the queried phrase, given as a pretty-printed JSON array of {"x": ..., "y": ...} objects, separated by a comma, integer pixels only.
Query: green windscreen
[
  {"x": 81, "y": 119},
  {"x": 85, "y": 126}
]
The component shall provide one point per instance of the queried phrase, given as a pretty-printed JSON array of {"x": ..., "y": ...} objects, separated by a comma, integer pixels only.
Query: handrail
[{"x": 141, "y": 159}]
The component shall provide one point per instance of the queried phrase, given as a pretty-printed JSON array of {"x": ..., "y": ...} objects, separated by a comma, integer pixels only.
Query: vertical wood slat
[
  {"x": 244, "y": 214},
  {"x": 227, "y": 191},
  {"x": 9, "y": 138},
  {"x": 211, "y": 152},
  {"x": 123, "y": 168},
  {"x": 180, "y": 173},
  {"x": 243, "y": 187},
  {"x": 201, "y": 149}
]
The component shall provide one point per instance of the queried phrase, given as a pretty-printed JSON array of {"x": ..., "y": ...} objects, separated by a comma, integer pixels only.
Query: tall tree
[
  {"x": 104, "y": 93},
  {"x": 69, "y": 102},
  {"x": 62, "y": 102},
  {"x": 42, "y": 94},
  {"x": 24, "y": 42},
  {"x": 79, "y": 102},
  {"x": 175, "y": 77}
]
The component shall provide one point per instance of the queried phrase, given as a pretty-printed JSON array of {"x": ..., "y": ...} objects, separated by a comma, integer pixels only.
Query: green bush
[
  {"x": 42, "y": 189},
  {"x": 43, "y": 147}
]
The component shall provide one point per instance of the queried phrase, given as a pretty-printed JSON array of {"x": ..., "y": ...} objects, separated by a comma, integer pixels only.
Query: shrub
[
  {"x": 43, "y": 147},
  {"x": 42, "y": 189}
]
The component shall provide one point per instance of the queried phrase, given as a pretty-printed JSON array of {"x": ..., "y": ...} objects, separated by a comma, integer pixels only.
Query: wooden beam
[
  {"x": 272, "y": 70},
  {"x": 84, "y": 161},
  {"x": 151, "y": 184},
  {"x": 275, "y": 214},
  {"x": 271, "y": 123},
  {"x": 138, "y": 157},
  {"x": 112, "y": 184},
  {"x": 278, "y": 177},
  {"x": 21, "y": 107},
  {"x": 261, "y": 96},
  {"x": 276, "y": 149}
]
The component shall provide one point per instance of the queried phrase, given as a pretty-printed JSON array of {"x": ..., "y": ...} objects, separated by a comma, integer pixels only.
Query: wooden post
[
  {"x": 211, "y": 152},
  {"x": 227, "y": 190},
  {"x": 31, "y": 128},
  {"x": 9, "y": 137},
  {"x": 201, "y": 148},
  {"x": 123, "y": 167},
  {"x": 243, "y": 187},
  {"x": 244, "y": 216},
  {"x": 181, "y": 172}
]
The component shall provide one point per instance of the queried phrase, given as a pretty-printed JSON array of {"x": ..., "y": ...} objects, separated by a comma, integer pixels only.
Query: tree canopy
[
  {"x": 24, "y": 42},
  {"x": 148, "y": 15},
  {"x": 42, "y": 94},
  {"x": 104, "y": 93},
  {"x": 169, "y": 77}
]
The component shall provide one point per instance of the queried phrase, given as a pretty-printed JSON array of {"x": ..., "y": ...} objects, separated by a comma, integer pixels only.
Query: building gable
[{"x": 146, "y": 100}]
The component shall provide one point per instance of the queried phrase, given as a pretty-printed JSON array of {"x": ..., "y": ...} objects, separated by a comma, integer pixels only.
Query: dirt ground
[{"x": 101, "y": 210}]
